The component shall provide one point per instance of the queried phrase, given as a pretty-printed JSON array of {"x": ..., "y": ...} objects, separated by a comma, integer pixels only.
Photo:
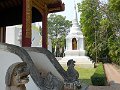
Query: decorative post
[
  {"x": 26, "y": 21},
  {"x": 2, "y": 34},
  {"x": 44, "y": 30}
]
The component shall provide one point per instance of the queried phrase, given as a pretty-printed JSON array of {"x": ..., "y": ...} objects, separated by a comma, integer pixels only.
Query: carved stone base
[{"x": 72, "y": 86}]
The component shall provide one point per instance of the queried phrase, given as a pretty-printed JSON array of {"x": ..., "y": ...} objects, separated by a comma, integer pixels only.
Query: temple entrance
[{"x": 74, "y": 44}]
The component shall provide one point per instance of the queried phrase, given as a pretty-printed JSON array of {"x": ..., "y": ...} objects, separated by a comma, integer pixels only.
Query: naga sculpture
[
  {"x": 17, "y": 76},
  {"x": 56, "y": 78},
  {"x": 51, "y": 82},
  {"x": 45, "y": 70}
]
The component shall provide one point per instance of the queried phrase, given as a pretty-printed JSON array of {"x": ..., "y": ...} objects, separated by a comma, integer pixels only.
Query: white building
[
  {"x": 75, "y": 46},
  {"x": 14, "y": 36}
]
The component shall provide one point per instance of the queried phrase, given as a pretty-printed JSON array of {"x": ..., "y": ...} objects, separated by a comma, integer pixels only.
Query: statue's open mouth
[{"x": 25, "y": 77}]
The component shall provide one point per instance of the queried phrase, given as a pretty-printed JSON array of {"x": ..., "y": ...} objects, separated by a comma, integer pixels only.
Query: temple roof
[{"x": 11, "y": 11}]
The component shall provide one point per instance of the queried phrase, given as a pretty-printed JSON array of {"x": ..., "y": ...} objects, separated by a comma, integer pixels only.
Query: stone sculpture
[
  {"x": 73, "y": 82},
  {"x": 40, "y": 77},
  {"x": 17, "y": 76},
  {"x": 50, "y": 69},
  {"x": 72, "y": 74},
  {"x": 52, "y": 75},
  {"x": 10, "y": 54},
  {"x": 51, "y": 82},
  {"x": 45, "y": 70}
]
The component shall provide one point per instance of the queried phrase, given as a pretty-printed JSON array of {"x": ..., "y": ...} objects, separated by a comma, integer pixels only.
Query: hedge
[{"x": 99, "y": 78}]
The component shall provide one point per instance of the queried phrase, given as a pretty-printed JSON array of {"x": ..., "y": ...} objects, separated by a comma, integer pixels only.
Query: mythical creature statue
[
  {"x": 17, "y": 76},
  {"x": 73, "y": 76}
]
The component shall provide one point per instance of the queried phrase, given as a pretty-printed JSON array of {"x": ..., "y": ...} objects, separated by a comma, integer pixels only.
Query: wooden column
[
  {"x": 2, "y": 34},
  {"x": 26, "y": 23},
  {"x": 44, "y": 30}
]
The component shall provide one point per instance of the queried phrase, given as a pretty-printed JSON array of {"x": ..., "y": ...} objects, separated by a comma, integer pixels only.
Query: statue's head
[
  {"x": 17, "y": 74},
  {"x": 71, "y": 63}
]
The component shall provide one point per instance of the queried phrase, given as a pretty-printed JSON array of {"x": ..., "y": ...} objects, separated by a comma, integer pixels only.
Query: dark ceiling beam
[
  {"x": 56, "y": 7},
  {"x": 2, "y": 5},
  {"x": 15, "y": 2},
  {"x": 10, "y": 3},
  {"x": 11, "y": 10}
]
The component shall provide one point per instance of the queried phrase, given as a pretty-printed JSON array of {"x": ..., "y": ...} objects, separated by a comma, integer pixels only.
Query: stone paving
[
  {"x": 113, "y": 79},
  {"x": 112, "y": 74}
]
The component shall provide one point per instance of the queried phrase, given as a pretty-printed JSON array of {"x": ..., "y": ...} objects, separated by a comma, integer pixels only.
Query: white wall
[
  {"x": 13, "y": 32},
  {"x": 10, "y": 35}
]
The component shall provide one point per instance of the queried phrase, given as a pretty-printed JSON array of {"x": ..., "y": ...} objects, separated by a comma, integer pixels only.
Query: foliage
[
  {"x": 57, "y": 29},
  {"x": 114, "y": 38},
  {"x": 114, "y": 46},
  {"x": 90, "y": 22},
  {"x": 115, "y": 5},
  {"x": 99, "y": 78},
  {"x": 100, "y": 24}
]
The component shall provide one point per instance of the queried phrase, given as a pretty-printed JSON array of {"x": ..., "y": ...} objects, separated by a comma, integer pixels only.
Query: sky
[{"x": 69, "y": 9}]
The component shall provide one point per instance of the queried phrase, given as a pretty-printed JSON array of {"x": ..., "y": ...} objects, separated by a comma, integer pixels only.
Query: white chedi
[
  {"x": 75, "y": 41},
  {"x": 75, "y": 46}
]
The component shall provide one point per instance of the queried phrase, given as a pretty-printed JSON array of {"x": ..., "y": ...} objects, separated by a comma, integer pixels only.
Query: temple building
[
  {"x": 75, "y": 46},
  {"x": 25, "y": 12},
  {"x": 14, "y": 36}
]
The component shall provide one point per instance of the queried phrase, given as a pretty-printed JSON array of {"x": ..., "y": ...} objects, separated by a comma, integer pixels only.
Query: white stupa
[{"x": 75, "y": 46}]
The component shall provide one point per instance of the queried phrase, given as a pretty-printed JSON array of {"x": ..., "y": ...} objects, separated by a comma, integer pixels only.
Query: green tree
[
  {"x": 110, "y": 26},
  {"x": 114, "y": 39},
  {"x": 115, "y": 5},
  {"x": 104, "y": 32},
  {"x": 100, "y": 24},
  {"x": 90, "y": 22},
  {"x": 57, "y": 28}
]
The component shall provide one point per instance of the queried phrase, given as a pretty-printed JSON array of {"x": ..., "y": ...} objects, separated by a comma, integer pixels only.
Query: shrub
[{"x": 99, "y": 78}]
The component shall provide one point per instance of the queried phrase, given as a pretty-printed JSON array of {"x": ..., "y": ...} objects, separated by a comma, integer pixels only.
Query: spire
[
  {"x": 75, "y": 10},
  {"x": 75, "y": 21},
  {"x": 75, "y": 29}
]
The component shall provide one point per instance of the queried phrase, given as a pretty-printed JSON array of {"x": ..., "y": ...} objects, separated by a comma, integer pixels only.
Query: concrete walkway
[
  {"x": 113, "y": 79},
  {"x": 113, "y": 76}
]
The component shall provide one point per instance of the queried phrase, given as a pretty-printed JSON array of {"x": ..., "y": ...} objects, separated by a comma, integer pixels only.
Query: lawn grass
[{"x": 84, "y": 74}]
